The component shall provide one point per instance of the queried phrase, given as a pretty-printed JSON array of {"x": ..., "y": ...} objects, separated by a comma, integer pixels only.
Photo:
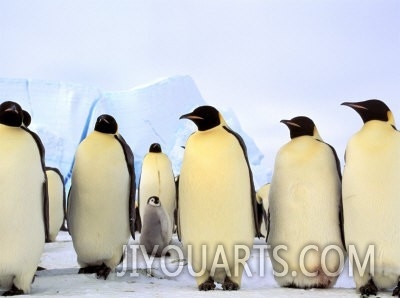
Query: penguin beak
[
  {"x": 289, "y": 123},
  {"x": 354, "y": 105},
  {"x": 191, "y": 117}
]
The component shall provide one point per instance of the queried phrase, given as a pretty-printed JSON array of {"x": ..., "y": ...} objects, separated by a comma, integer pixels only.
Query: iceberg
[{"x": 63, "y": 114}]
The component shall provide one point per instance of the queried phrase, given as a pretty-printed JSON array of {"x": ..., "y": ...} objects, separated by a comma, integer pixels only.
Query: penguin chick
[
  {"x": 156, "y": 231},
  {"x": 305, "y": 208},
  {"x": 371, "y": 196},
  {"x": 217, "y": 204}
]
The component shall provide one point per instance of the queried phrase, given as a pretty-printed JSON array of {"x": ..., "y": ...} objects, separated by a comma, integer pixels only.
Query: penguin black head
[
  {"x": 300, "y": 126},
  {"x": 372, "y": 109},
  {"x": 154, "y": 201},
  {"x": 11, "y": 114},
  {"x": 205, "y": 117},
  {"x": 155, "y": 148},
  {"x": 26, "y": 118},
  {"x": 106, "y": 124}
]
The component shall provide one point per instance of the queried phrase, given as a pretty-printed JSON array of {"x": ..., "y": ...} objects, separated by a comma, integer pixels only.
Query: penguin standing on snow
[
  {"x": 217, "y": 201},
  {"x": 262, "y": 199},
  {"x": 101, "y": 199},
  {"x": 23, "y": 201},
  {"x": 305, "y": 208},
  {"x": 371, "y": 196},
  {"x": 156, "y": 230},
  {"x": 57, "y": 201},
  {"x": 157, "y": 179}
]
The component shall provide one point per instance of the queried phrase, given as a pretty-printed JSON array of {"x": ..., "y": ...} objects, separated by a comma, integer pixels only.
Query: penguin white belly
[
  {"x": 371, "y": 200},
  {"x": 21, "y": 223},
  {"x": 157, "y": 179},
  {"x": 99, "y": 215},
  {"x": 214, "y": 197},
  {"x": 304, "y": 210},
  {"x": 56, "y": 207}
]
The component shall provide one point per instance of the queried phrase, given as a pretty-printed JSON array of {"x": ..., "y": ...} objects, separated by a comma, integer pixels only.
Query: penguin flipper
[
  {"x": 257, "y": 212},
  {"x": 267, "y": 224},
  {"x": 44, "y": 186},
  {"x": 46, "y": 211},
  {"x": 130, "y": 164},
  {"x": 340, "y": 207},
  {"x": 138, "y": 220},
  {"x": 176, "y": 212},
  {"x": 68, "y": 216}
]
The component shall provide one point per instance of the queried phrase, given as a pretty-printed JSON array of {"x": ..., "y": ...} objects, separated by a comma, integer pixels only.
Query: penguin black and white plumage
[
  {"x": 371, "y": 196},
  {"x": 23, "y": 201},
  {"x": 262, "y": 199},
  {"x": 57, "y": 201},
  {"x": 217, "y": 201},
  {"x": 101, "y": 210},
  {"x": 156, "y": 231},
  {"x": 305, "y": 208},
  {"x": 157, "y": 179}
]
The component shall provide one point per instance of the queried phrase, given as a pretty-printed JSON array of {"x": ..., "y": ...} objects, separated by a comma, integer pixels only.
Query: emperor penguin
[
  {"x": 23, "y": 201},
  {"x": 371, "y": 197},
  {"x": 57, "y": 201},
  {"x": 217, "y": 204},
  {"x": 262, "y": 199},
  {"x": 101, "y": 210},
  {"x": 157, "y": 179},
  {"x": 156, "y": 231},
  {"x": 305, "y": 210}
]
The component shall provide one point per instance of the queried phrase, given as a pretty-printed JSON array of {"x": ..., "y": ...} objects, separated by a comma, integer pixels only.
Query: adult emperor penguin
[
  {"x": 262, "y": 199},
  {"x": 101, "y": 200},
  {"x": 57, "y": 201},
  {"x": 305, "y": 208},
  {"x": 371, "y": 196},
  {"x": 157, "y": 179},
  {"x": 23, "y": 201},
  {"x": 156, "y": 230},
  {"x": 216, "y": 201}
]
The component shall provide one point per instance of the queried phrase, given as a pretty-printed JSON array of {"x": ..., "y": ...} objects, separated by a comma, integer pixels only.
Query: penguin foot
[
  {"x": 89, "y": 269},
  {"x": 103, "y": 272},
  {"x": 207, "y": 285},
  {"x": 229, "y": 285},
  {"x": 13, "y": 291},
  {"x": 369, "y": 289}
]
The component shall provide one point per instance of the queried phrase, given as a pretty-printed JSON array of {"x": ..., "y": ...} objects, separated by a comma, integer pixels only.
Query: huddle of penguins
[{"x": 307, "y": 201}]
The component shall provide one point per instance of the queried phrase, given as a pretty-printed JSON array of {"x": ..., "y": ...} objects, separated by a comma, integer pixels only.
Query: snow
[{"x": 60, "y": 277}]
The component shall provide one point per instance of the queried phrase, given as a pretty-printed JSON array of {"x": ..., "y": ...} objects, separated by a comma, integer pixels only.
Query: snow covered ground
[{"x": 61, "y": 278}]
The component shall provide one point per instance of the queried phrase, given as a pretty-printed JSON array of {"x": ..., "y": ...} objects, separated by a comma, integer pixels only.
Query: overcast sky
[{"x": 266, "y": 59}]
